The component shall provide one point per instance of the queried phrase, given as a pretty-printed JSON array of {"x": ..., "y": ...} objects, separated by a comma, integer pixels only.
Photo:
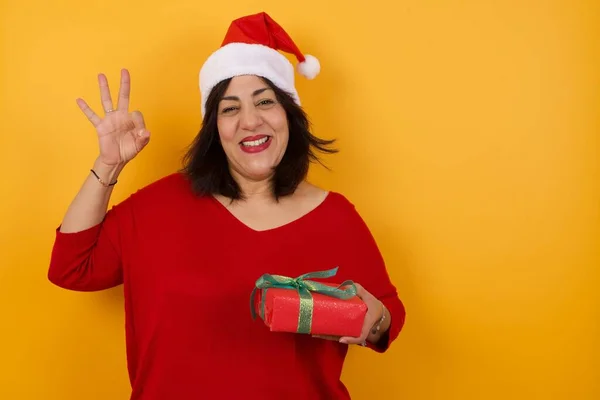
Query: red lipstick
[{"x": 255, "y": 144}]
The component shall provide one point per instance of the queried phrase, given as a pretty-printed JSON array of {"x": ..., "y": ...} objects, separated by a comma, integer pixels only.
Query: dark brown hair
[{"x": 206, "y": 165}]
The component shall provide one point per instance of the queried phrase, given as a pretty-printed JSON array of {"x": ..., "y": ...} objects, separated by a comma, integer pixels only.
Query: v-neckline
[{"x": 300, "y": 219}]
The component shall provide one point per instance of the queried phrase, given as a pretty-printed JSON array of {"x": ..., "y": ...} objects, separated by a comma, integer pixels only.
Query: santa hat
[{"x": 251, "y": 47}]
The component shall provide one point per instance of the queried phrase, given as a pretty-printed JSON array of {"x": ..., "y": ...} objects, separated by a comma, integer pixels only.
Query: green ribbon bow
[{"x": 304, "y": 286}]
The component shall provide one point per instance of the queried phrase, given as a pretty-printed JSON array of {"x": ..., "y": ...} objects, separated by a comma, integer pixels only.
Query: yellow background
[{"x": 469, "y": 136}]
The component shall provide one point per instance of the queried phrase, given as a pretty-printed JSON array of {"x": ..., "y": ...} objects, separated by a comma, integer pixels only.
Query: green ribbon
[{"x": 305, "y": 287}]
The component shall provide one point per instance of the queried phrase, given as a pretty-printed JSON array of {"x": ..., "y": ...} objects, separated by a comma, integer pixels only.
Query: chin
[{"x": 259, "y": 173}]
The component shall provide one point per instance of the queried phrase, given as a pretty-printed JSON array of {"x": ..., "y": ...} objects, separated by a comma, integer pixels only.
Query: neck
[{"x": 254, "y": 189}]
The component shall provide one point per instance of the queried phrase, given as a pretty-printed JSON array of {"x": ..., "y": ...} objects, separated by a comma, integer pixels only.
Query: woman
[{"x": 189, "y": 248}]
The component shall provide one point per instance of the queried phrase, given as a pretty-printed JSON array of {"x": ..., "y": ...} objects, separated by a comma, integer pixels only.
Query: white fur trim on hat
[{"x": 237, "y": 59}]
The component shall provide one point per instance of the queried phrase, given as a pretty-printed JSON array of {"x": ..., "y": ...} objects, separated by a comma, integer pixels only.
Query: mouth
[
  {"x": 255, "y": 144},
  {"x": 255, "y": 141}
]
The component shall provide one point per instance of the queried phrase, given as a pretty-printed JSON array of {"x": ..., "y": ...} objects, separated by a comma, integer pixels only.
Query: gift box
[{"x": 302, "y": 305}]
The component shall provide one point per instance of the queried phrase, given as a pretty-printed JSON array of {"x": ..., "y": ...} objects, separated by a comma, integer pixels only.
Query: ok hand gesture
[{"x": 121, "y": 134}]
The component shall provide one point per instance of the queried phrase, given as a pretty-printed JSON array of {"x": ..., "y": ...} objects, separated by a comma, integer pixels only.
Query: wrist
[
  {"x": 106, "y": 174},
  {"x": 381, "y": 326},
  {"x": 387, "y": 322}
]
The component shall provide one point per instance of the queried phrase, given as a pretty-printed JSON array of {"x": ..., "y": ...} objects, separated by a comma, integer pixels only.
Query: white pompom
[{"x": 310, "y": 67}]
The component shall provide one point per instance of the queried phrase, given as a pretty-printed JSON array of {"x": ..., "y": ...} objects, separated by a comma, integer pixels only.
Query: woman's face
[{"x": 253, "y": 127}]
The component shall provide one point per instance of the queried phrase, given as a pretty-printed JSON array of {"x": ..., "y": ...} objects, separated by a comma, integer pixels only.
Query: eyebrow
[{"x": 254, "y": 94}]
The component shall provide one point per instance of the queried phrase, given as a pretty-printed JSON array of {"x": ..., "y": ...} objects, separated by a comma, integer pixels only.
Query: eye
[
  {"x": 227, "y": 110},
  {"x": 266, "y": 102}
]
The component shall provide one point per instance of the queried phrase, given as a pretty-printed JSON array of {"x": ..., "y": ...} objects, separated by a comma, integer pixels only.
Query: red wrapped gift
[{"x": 302, "y": 305}]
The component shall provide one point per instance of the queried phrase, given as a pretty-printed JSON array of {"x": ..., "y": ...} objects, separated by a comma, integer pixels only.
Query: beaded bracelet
[
  {"x": 377, "y": 327},
  {"x": 101, "y": 181}
]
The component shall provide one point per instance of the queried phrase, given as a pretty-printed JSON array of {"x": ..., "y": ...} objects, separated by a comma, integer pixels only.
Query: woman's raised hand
[{"x": 121, "y": 134}]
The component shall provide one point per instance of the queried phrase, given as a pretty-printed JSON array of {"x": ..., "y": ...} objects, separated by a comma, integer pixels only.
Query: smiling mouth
[{"x": 254, "y": 143}]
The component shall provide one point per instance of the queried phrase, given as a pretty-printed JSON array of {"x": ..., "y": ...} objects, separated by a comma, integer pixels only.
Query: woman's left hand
[{"x": 375, "y": 311}]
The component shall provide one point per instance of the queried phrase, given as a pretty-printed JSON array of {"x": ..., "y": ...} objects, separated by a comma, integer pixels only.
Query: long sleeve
[
  {"x": 89, "y": 260},
  {"x": 372, "y": 274}
]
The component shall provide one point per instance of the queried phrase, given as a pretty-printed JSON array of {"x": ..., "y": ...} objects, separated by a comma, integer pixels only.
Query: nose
[{"x": 250, "y": 118}]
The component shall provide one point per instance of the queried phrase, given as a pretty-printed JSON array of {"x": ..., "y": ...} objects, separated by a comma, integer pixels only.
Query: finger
[
  {"x": 327, "y": 337},
  {"x": 354, "y": 340},
  {"x": 350, "y": 340},
  {"x": 105, "y": 98},
  {"x": 360, "y": 291},
  {"x": 123, "y": 103},
  {"x": 89, "y": 113},
  {"x": 362, "y": 340},
  {"x": 138, "y": 119},
  {"x": 142, "y": 137}
]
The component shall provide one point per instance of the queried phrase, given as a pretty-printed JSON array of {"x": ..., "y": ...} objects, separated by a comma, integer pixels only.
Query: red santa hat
[{"x": 251, "y": 47}]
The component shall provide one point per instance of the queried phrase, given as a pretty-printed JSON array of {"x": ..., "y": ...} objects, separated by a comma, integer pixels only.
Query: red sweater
[{"x": 188, "y": 267}]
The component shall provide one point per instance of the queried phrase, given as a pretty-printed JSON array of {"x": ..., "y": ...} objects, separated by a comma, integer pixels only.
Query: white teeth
[{"x": 256, "y": 142}]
